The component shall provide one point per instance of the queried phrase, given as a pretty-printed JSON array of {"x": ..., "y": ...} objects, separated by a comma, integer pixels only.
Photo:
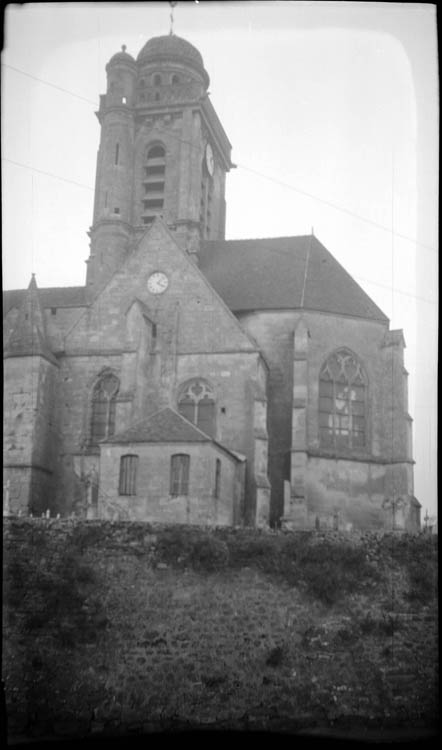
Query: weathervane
[{"x": 172, "y": 5}]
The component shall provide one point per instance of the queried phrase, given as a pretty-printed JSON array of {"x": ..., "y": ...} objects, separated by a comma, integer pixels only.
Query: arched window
[
  {"x": 157, "y": 79},
  {"x": 342, "y": 402},
  {"x": 197, "y": 404},
  {"x": 153, "y": 183},
  {"x": 175, "y": 79},
  {"x": 179, "y": 474},
  {"x": 128, "y": 475},
  {"x": 104, "y": 398}
]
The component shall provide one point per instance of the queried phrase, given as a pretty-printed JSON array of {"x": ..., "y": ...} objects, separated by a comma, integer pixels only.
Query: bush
[
  {"x": 422, "y": 582},
  {"x": 175, "y": 545},
  {"x": 331, "y": 570},
  {"x": 209, "y": 554}
]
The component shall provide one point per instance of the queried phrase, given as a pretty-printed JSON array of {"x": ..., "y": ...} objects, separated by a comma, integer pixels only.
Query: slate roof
[
  {"x": 165, "y": 426},
  {"x": 258, "y": 274},
  {"x": 57, "y": 296},
  {"x": 283, "y": 273}
]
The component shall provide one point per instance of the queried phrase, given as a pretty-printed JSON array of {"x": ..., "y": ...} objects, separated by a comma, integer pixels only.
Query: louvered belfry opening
[{"x": 153, "y": 183}]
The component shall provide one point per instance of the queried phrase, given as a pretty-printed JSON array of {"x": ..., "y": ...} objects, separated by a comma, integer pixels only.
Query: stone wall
[
  {"x": 117, "y": 628},
  {"x": 387, "y": 423},
  {"x": 153, "y": 501}
]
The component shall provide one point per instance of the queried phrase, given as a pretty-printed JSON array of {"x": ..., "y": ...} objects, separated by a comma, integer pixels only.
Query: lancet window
[{"x": 104, "y": 397}]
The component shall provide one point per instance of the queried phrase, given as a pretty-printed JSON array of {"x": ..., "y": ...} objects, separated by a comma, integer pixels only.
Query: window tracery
[
  {"x": 342, "y": 402},
  {"x": 197, "y": 404}
]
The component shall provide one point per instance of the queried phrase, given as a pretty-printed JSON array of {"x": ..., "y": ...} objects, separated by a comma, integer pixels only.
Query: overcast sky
[{"x": 332, "y": 112}]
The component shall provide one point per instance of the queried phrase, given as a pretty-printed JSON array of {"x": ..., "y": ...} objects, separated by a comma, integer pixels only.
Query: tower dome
[
  {"x": 121, "y": 57},
  {"x": 172, "y": 47}
]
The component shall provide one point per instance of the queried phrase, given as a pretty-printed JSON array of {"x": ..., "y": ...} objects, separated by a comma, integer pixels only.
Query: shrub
[
  {"x": 422, "y": 581},
  {"x": 209, "y": 554},
  {"x": 175, "y": 545},
  {"x": 262, "y": 552},
  {"x": 275, "y": 657},
  {"x": 331, "y": 570}
]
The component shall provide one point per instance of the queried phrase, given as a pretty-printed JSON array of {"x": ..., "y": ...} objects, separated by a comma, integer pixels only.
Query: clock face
[
  {"x": 157, "y": 282},
  {"x": 210, "y": 161}
]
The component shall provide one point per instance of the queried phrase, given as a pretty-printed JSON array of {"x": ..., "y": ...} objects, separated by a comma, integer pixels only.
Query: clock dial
[
  {"x": 210, "y": 161},
  {"x": 157, "y": 282}
]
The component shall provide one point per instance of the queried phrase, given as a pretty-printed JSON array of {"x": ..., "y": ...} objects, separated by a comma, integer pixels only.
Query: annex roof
[
  {"x": 165, "y": 426},
  {"x": 283, "y": 273}
]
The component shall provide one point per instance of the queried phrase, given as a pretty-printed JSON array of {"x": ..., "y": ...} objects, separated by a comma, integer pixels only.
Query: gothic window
[
  {"x": 104, "y": 398},
  {"x": 197, "y": 404},
  {"x": 342, "y": 402},
  {"x": 153, "y": 183},
  {"x": 216, "y": 491},
  {"x": 179, "y": 474},
  {"x": 128, "y": 475}
]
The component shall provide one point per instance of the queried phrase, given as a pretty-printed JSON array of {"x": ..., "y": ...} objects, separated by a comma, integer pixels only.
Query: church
[{"x": 195, "y": 379}]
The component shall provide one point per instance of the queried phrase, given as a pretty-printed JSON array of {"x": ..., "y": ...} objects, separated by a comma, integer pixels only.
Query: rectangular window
[
  {"x": 179, "y": 474},
  {"x": 128, "y": 475},
  {"x": 117, "y": 153}
]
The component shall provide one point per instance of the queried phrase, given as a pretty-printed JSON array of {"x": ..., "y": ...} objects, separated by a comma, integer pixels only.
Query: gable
[{"x": 190, "y": 311}]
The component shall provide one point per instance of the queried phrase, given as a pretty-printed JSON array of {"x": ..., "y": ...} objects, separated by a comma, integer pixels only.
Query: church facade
[{"x": 195, "y": 379}]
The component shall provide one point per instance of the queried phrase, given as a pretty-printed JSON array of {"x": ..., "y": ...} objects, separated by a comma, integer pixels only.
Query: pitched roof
[
  {"x": 61, "y": 296},
  {"x": 283, "y": 273},
  {"x": 165, "y": 426}
]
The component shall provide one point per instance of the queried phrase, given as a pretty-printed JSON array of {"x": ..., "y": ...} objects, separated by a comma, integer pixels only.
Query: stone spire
[{"x": 28, "y": 337}]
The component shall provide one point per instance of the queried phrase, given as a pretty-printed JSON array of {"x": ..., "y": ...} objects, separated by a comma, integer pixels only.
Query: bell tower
[{"x": 163, "y": 152}]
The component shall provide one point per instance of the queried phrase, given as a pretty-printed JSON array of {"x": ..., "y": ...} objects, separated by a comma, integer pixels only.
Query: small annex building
[{"x": 195, "y": 379}]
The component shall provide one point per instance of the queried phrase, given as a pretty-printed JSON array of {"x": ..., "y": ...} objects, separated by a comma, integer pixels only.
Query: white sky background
[{"x": 336, "y": 100}]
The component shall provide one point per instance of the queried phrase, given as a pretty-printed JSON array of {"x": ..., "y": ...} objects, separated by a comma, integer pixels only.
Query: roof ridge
[{"x": 260, "y": 239}]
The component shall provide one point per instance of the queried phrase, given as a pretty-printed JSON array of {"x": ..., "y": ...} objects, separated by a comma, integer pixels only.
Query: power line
[
  {"x": 88, "y": 187},
  {"x": 396, "y": 290},
  {"x": 48, "y": 174},
  {"x": 47, "y": 83},
  {"x": 295, "y": 189},
  {"x": 338, "y": 208}
]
